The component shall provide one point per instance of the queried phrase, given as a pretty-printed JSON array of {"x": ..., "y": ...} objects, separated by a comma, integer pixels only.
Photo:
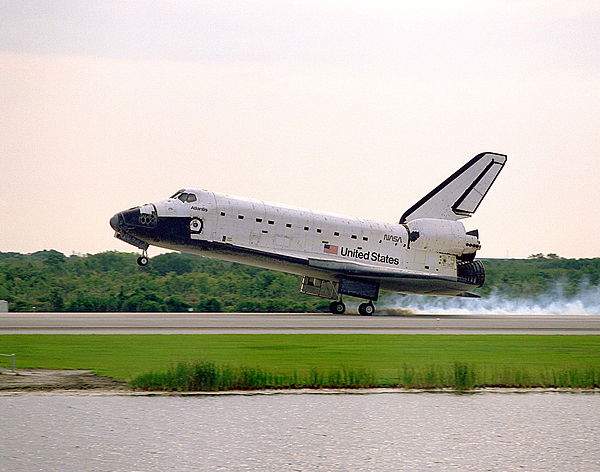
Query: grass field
[{"x": 409, "y": 360}]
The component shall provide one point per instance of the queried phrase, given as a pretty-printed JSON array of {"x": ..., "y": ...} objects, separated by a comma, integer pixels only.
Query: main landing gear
[
  {"x": 143, "y": 259},
  {"x": 365, "y": 309},
  {"x": 337, "y": 308}
]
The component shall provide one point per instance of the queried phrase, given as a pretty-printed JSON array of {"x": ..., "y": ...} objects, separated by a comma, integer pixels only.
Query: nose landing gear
[{"x": 143, "y": 259}]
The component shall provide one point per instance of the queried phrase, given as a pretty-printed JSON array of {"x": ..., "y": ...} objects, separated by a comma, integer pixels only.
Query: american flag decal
[{"x": 330, "y": 249}]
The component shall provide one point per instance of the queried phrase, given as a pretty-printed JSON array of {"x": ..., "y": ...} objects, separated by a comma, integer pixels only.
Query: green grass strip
[
  {"x": 208, "y": 376},
  {"x": 386, "y": 360}
]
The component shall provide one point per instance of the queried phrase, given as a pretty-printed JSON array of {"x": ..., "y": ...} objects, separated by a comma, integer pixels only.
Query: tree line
[{"x": 112, "y": 281}]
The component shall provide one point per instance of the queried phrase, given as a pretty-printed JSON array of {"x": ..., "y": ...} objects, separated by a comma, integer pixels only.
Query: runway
[{"x": 297, "y": 323}]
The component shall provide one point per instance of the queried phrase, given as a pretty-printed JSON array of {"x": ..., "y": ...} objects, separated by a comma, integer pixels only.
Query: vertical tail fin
[{"x": 459, "y": 195}]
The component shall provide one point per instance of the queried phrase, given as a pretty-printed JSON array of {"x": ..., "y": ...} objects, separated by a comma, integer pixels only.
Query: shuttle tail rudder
[{"x": 459, "y": 195}]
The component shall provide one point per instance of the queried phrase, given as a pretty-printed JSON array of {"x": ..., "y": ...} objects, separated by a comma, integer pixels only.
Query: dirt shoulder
[{"x": 44, "y": 379}]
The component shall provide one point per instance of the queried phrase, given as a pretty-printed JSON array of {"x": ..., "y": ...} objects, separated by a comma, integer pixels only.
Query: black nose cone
[{"x": 115, "y": 222}]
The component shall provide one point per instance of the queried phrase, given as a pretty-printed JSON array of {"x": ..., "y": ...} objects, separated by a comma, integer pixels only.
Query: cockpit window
[
  {"x": 185, "y": 197},
  {"x": 176, "y": 194}
]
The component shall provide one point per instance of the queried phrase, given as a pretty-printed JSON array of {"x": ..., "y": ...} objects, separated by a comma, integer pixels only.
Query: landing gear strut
[
  {"x": 337, "y": 308},
  {"x": 143, "y": 259},
  {"x": 366, "y": 309}
]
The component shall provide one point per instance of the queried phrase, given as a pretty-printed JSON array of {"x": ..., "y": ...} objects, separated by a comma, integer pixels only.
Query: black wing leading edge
[{"x": 459, "y": 195}]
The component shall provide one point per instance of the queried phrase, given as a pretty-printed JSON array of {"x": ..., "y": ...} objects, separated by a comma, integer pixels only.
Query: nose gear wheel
[{"x": 143, "y": 259}]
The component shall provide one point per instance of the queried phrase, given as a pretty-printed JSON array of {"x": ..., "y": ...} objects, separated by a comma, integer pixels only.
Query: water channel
[{"x": 300, "y": 432}]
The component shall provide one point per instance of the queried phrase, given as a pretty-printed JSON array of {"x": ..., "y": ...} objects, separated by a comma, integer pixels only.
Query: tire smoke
[{"x": 585, "y": 301}]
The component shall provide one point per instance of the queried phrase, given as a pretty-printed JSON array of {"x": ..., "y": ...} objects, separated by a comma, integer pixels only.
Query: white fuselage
[
  {"x": 298, "y": 232},
  {"x": 427, "y": 252}
]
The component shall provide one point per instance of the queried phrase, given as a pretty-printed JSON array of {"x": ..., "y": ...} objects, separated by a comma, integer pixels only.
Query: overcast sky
[{"x": 358, "y": 108}]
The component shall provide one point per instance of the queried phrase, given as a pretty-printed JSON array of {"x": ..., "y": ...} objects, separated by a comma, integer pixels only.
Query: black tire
[
  {"x": 366, "y": 309},
  {"x": 142, "y": 261},
  {"x": 337, "y": 308}
]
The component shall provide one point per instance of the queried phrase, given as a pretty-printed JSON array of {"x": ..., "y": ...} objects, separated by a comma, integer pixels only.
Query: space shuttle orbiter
[{"x": 428, "y": 252}]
